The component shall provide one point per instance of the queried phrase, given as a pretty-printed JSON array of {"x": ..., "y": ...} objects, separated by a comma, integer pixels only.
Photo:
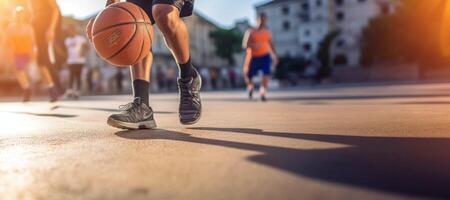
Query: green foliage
[
  {"x": 323, "y": 55},
  {"x": 410, "y": 35},
  {"x": 290, "y": 66},
  {"x": 227, "y": 42}
]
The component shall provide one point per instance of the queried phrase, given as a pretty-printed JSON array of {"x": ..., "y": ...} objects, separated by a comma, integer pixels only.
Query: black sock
[
  {"x": 140, "y": 89},
  {"x": 186, "y": 70}
]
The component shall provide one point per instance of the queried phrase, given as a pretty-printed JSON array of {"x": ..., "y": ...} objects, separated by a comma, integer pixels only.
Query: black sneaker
[
  {"x": 135, "y": 115},
  {"x": 190, "y": 109},
  {"x": 250, "y": 94}
]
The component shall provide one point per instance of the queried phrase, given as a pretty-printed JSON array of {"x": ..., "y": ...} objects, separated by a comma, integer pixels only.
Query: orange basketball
[{"x": 122, "y": 34}]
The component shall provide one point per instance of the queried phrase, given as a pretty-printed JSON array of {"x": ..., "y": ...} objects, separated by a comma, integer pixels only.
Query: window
[
  {"x": 339, "y": 2},
  {"x": 285, "y": 10},
  {"x": 340, "y": 16},
  {"x": 319, "y": 3},
  {"x": 340, "y": 60},
  {"x": 305, "y": 6},
  {"x": 307, "y": 47},
  {"x": 286, "y": 25},
  {"x": 340, "y": 43},
  {"x": 307, "y": 32}
]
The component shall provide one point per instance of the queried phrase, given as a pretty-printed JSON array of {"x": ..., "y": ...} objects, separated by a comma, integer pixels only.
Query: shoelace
[
  {"x": 185, "y": 94},
  {"x": 129, "y": 107}
]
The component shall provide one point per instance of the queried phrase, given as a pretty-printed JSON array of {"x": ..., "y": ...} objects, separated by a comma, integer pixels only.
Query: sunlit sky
[{"x": 224, "y": 12}]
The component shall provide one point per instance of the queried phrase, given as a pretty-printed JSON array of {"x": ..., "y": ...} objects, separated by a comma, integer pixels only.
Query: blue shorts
[{"x": 257, "y": 64}]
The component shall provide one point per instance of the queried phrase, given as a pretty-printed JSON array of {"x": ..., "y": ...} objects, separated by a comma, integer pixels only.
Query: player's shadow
[
  {"x": 43, "y": 114},
  {"x": 409, "y": 165},
  {"x": 99, "y": 109}
]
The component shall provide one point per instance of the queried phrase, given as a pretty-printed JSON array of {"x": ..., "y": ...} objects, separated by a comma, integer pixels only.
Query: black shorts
[{"x": 186, "y": 7}]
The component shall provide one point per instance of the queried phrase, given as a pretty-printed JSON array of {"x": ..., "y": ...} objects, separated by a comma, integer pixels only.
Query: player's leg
[
  {"x": 266, "y": 64},
  {"x": 43, "y": 61},
  {"x": 138, "y": 114},
  {"x": 249, "y": 74},
  {"x": 167, "y": 16},
  {"x": 69, "y": 91},
  {"x": 77, "y": 80},
  {"x": 22, "y": 62}
]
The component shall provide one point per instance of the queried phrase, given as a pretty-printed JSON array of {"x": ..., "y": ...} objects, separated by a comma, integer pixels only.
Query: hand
[
  {"x": 245, "y": 69},
  {"x": 89, "y": 29},
  {"x": 50, "y": 36},
  {"x": 276, "y": 60}
]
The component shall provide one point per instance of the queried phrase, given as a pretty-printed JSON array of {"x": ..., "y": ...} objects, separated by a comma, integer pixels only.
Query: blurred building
[
  {"x": 202, "y": 52},
  {"x": 299, "y": 26}
]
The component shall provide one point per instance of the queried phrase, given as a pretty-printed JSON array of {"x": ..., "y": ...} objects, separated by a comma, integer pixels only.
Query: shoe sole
[
  {"x": 132, "y": 126},
  {"x": 192, "y": 122}
]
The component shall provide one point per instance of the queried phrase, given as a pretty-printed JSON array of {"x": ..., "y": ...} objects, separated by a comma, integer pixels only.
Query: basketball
[{"x": 122, "y": 34}]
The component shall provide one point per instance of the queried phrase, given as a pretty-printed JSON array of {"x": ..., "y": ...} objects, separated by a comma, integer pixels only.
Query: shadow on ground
[
  {"x": 42, "y": 114},
  {"x": 99, "y": 109},
  {"x": 334, "y": 97},
  {"x": 408, "y": 166}
]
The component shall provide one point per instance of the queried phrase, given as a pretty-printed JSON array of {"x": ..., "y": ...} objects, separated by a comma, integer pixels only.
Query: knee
[{"x": 166, "y": 17}]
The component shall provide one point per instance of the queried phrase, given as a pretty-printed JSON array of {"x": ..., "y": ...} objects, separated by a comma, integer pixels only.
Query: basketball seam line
[
  {"x": 146, "y": 29},
  {"x": 140, "y": 52},
  {"x": 142, "y": 46},
  {"x": 120, "y": 24},
  {"x": 131, "y": 39}
]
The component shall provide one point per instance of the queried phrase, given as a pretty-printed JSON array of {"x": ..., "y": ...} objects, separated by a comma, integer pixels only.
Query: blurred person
[
  {"x": 260, "y": 55},
  {"x": 232, "y": 77},
  {"x": 214, "y": 76},
  {"x": 46, "y": 16},
  {"x": 160, "y": 78},
  {"x": 119, "y": 80},
  {"x": 205, "y": 74},
  {"x": 77, "y": 47},
  {"x": 167, "y": 16},
  {"x": 20, "y": 40},
  {"x": 171, "y": 76}
]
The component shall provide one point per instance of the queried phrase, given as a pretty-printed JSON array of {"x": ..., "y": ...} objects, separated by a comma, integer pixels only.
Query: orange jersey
[
  {"x": 21, "y": 39},
  {"x": 259, "y": 42}
]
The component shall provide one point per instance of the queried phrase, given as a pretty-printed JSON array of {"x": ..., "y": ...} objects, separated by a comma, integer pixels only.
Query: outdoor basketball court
[{"x": 371, "y": 142}]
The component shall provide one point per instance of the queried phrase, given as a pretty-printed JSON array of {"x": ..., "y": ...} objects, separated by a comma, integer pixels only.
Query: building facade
[{"x": 299, "y": 26}]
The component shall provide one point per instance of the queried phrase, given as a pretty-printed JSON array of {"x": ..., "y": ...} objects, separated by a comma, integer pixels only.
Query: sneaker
[
  {"x": 250, "y": 94},
  {"x": 26, "y": 95},
  {"x": 53, "y": 94},
  {"x": 135, "y": 115},
  {"x": 263, "y": 98},
  {"x": 190, "y": 109}
]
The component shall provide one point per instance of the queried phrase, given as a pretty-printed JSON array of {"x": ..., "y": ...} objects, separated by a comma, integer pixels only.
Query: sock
[
  {"x": 140, "y": 89},
  {"x": 186, "y": 70}
]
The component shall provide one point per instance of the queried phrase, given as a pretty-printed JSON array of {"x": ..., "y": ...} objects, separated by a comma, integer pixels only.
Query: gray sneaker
[
  {"x": 190, "y": 109},
  {"x": 135, "y": 115}
]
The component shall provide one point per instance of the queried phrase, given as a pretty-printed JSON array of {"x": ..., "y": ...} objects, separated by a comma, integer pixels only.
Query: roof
[{"x": 272, "y": 2}]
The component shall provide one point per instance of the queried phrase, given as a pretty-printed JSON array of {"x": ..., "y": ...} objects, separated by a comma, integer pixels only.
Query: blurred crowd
[{"x": 75, "y": 67}]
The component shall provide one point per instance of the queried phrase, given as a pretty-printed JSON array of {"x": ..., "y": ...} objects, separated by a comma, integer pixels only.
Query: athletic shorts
[
  {"x": 22, "y": 61},
  {"x": 257, "y": 64},
  {"x": 186, "y": 7}
]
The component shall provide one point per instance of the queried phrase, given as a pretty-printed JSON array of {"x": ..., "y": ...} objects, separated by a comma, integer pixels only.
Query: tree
[
  {"x": 227, "y": 42},
  {"x": 323, "y": 55},
  {"x": 412, "y": 34}
]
